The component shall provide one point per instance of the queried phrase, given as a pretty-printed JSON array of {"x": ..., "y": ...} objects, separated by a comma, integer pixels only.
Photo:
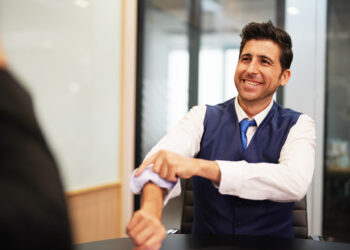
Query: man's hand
[
  {"x": 145, "y": 227},
  {"x": 170, "y": 166},
  {"x": 146, "y": 230},
  {"x": 2, "y": 58}
]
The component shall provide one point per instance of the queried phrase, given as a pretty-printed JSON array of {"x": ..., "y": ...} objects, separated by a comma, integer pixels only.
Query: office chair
[{"x": 300, "y": 225}]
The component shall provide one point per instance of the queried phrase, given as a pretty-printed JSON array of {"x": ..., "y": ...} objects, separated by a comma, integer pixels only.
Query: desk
[{"x": 220, "y": 242}]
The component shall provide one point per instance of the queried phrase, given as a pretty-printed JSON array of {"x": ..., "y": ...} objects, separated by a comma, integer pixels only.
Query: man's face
[{"x": 258, "y": 73}]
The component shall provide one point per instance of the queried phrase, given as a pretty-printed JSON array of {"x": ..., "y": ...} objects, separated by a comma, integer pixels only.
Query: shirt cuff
[
  {"x": 137, "y": 183},
  {"x": 175, "y": 191},
  {"x": 231, "y": 177}
]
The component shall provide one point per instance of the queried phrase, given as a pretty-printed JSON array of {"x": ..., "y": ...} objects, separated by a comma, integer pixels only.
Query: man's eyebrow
[{"x": 246, "y": 54}]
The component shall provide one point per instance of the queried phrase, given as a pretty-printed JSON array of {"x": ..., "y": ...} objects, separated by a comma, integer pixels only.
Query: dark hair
[{"x": 267, "y": 31}]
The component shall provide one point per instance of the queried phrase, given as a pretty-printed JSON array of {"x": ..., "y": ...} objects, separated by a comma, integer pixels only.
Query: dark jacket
[{"x": 33, "y": 212}]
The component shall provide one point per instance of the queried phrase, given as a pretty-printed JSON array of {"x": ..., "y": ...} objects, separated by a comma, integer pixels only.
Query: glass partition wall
[
  {"x": 336, "y": 216},
  {"x": 187, "y": 54}
]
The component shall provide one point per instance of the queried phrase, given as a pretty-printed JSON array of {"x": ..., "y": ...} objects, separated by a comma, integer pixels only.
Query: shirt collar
[{"x": 258, "y": 118}]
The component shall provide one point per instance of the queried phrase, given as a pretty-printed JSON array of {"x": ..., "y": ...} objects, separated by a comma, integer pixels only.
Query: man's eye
[
  {"x": 265, "y": 62},
  {"x": 244, "y": 59}
]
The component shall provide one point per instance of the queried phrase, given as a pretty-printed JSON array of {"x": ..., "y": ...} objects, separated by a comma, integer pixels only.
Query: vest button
[{"x": 238, "y": 225}]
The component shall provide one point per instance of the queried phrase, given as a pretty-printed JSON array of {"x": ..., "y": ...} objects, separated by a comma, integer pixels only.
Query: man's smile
[{"x": 251, "y": 83}]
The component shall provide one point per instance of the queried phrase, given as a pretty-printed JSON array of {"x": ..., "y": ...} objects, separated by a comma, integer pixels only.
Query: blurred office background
[
  {"x": 110, "y": 77},
  {"x": 68, "y": 53}
]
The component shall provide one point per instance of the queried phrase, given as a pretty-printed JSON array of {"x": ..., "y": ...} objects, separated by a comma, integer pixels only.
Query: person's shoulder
[
  {"x": 221, "y": 106},
  {"x": 286, "y": 112},
  {"x": 305, "y": 127},
  {"x": 214, "y": 113},
  {"x": 306, "y": 120},
  {"x": 198, "y": 108},
  {"x": 197, "y": 112},
  {"x": 12, "y": 93},
  {"x": 207, "y": 108},
  {"x": 15, "y": 101},
  {"x": 301, "y": 119}
]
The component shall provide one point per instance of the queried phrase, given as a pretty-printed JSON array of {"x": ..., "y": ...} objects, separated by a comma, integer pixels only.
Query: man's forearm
[
  {"x": 145, "y": 227},
  {"x": 152, "y": 199},
  {"x": 209, "y": 170}
]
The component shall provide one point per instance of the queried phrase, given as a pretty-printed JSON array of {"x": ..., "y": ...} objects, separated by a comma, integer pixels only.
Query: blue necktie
[{"x": 244, "y": 125}]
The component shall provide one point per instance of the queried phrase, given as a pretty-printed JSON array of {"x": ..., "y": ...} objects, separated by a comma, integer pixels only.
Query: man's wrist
[
  {"x": 152, "y": 199},
  {"x": 154, "y": 206},
  {"x": 209, "y": 170},
  {"x": 198, "y": 167},
  {"x": 151, "y": 209}
]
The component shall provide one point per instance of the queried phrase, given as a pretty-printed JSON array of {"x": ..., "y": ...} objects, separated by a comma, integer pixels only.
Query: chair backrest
[
  {"x": 300, "y": 225},
  {"x": 187, "y": 209}
]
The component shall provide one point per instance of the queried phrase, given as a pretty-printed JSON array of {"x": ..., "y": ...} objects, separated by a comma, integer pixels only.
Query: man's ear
[{"x": 285, "y": 77}]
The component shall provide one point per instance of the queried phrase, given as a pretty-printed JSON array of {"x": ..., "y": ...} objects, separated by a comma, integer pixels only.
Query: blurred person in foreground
[
  {"x": 33, "y": 212},
  {"x": 249, "y": 158}
]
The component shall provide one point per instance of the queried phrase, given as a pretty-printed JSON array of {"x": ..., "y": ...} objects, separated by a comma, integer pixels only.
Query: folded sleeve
[
  {"x": 183, "y": 139},
  {"x": 137, "y": 183}
]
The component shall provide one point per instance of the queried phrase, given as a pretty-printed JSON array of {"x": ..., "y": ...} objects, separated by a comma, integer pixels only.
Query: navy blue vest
[{"x": 226, "y": 214}]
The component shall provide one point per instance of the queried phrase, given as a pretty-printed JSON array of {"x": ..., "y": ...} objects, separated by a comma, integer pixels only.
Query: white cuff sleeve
[
  {"x": 175, "y": 191},
  {"x": 231, "y": 179},
  {"x": 137, "y": 183}
]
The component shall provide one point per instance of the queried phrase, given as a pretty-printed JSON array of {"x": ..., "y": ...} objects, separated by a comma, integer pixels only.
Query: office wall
[
  {"x": 95, "y": 213},
  {"x": 78, "y": 60},
  {"x": 67, "y": 53}
]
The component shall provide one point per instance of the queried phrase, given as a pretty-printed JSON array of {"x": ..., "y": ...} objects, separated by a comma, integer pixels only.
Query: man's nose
[{"x": 253, "y": 67}]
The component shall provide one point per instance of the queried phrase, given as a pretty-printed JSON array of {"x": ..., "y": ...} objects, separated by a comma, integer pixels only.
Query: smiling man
[{"x": 249, "y": 158}]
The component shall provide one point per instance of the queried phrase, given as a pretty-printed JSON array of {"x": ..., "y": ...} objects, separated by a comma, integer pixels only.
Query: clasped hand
[
  {"x": 146, "y": 231},
  {"x": 170, "y": 165}
]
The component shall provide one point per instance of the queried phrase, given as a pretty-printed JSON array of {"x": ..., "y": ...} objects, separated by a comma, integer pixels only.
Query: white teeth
[{"x": 251, "y": 83}]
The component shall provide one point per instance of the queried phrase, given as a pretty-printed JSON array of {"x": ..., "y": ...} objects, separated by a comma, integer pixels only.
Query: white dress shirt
[{"x": 288, "y": 180}]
